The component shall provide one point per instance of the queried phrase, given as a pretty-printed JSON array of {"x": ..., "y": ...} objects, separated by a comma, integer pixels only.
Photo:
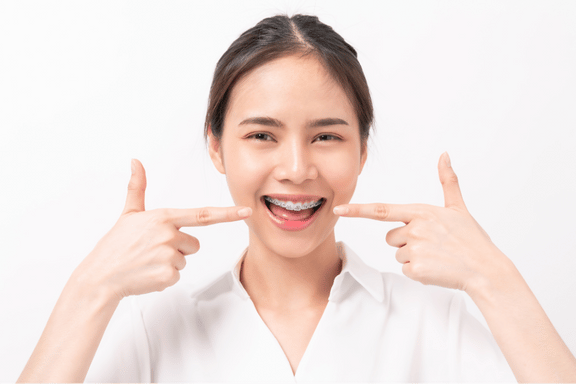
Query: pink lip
[{"x": 293, "y": 225}]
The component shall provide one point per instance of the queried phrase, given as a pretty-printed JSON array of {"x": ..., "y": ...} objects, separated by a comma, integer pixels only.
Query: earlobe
[{"x": 215, "y": 150}]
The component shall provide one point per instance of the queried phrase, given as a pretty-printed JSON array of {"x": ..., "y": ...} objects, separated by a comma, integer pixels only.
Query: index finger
[
  {"x": 378, "y": 211},
  {"x": 195, "y": 217}
]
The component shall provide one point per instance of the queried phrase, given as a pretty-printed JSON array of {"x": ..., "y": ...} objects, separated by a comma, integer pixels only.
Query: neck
[{"x": 275, "y": 281}]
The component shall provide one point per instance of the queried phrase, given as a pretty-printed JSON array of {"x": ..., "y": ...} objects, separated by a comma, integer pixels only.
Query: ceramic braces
[{"x": 291, "y": 206}]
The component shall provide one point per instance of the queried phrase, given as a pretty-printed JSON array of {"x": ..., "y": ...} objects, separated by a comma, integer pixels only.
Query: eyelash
[
  {"x": 255, "y": 136},
  {"x": 260, "y": 137},
  {"x": 333, "y": 137}
]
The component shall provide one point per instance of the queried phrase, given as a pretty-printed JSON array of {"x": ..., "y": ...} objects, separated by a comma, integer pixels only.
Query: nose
[{"x": 295, "y": 163}]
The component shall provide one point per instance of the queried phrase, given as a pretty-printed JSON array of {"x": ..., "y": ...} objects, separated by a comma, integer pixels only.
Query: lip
[{"x": 293, "y": 225}]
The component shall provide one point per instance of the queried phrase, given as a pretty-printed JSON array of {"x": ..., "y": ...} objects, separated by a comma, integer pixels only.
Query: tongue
[{"x": 291, "y": 215}]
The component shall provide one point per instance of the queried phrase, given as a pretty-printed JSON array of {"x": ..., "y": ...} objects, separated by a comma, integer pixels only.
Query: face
[{"x": 290, "y": 150}]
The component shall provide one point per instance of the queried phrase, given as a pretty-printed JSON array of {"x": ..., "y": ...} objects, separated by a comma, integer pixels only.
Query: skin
[
  {"x": 445, "y": 246},
  {"x": 142, "y": 253},
  {"x": 288, "y": 275},
  {"x": 280, "y": 150}
]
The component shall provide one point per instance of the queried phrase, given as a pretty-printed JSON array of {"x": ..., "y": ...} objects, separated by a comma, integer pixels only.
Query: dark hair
[{"x": 281, "y": 36}]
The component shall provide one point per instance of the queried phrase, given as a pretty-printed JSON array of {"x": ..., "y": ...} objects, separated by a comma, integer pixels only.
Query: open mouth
[{"x": 289, "y": 215}]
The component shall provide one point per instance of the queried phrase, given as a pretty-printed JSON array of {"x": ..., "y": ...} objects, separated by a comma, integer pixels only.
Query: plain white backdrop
[{"x": 86, "y": 86}]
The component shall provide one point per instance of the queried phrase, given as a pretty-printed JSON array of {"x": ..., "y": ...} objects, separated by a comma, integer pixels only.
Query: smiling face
[{"x": 290, "y": 135}]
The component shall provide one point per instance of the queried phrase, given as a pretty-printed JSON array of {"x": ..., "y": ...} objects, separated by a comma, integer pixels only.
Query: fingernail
[
  {"x": 245, "y": 212},
  {"x": 447, "y": 159},
  {"x": 341, "y": 210},
  {"x": 132, "y": 166}
]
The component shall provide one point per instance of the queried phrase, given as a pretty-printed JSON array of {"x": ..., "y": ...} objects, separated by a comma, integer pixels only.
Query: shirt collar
[
  {"x": 352, "y": 266},
  {"x": 362, "y": 273}
]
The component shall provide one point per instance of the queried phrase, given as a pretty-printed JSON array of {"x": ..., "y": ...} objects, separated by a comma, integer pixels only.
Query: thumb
[
  {"x": 449, "y": 180},
  {"x": 136, "y": 188}
]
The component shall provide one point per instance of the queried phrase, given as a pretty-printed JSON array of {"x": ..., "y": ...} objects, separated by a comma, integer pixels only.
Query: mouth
[{"x": 293, "y": 212}]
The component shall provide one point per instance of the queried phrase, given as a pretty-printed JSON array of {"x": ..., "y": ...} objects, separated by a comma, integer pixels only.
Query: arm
[
  {"x": 525, "y": 335},
  {"x": 144, "y": 252},
  {"x": 445, "y": 246},
  {"x": 71, "y": 336}
]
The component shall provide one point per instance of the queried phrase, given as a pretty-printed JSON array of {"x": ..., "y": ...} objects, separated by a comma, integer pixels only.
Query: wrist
[
  {"x": 502, "y": 280},
  {"x": 86, "y": 289}
]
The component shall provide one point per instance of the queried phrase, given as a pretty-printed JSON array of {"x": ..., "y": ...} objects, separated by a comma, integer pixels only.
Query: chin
[{"x": 293, "y": 244}]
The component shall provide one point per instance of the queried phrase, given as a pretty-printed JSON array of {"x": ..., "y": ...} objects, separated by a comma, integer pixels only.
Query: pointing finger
[
  {"x": 136, "y": 188},
  {"x": 195, "y": 217},
  {"x": 377, "y": 211},
  {"x": 449, "y": 180}
]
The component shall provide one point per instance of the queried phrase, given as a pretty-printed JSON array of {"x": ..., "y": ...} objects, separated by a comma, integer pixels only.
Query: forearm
[
  {"x": 71, "y": 336},
  {"x": 525, "y": 335}
]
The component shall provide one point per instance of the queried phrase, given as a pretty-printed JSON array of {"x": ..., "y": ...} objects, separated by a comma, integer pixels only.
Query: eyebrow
[{"x": 271, "y": 122}]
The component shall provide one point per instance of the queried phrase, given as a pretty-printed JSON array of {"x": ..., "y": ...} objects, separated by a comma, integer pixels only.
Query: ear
[
  {"x": 215, "y": 150},
  {"x": 363, "y": 156}
]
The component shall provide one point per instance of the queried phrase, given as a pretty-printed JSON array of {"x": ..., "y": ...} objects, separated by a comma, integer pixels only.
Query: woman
[{"x": 288, "y": 123}]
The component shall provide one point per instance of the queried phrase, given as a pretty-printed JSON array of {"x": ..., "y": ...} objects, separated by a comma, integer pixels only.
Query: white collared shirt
[{"x": 377, "y": 326}]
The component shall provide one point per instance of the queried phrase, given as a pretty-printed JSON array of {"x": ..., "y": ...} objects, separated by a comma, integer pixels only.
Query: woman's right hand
[{"x": 145, "y": 250}]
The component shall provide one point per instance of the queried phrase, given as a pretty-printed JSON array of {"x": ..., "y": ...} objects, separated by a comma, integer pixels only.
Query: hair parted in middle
[{"x": 281, "y": 36}]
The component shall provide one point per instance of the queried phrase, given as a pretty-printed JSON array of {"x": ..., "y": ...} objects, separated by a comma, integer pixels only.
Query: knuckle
[
  {"x": 166, "y": 236},
  {"x": 174, "y": 276},
  {"x": 416, "y": 249},
  {"x": 417, "y": 270},
  {"x": 425, "y": 211},
  {"x": 409, "y": 249},
  {"x": 413, "y": 231},
  {"x": 195, "y": 245},
  {"x": 452, "y": 178},
  {"x": 399, "y": 256},
  {"x": 407, "y": 269},
  {"x": 381, "y": 212},
  {"x": 417, "y": 230},
  {"x": 133, "y": 185},
  {"x": 389, "y": 237},
  {"x": 430, "y": 216},
  {"x": 159, "y": 216},
  {"x": 165, "y": 254},
  {"x": 169, "y": 275},
  {"x": 203, "y": 216}
]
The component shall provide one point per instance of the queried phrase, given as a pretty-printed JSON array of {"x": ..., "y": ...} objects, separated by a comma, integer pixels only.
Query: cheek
[
  {"x": 342, "y": 174},
  {"x": 245, "y": 174}
]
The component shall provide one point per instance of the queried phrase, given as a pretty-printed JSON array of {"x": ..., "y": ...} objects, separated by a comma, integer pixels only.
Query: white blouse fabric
[{"x": 376, "y": 327}]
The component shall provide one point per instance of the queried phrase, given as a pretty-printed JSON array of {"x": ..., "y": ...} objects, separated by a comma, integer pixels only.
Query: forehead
[{"x": 292, "y": 88}]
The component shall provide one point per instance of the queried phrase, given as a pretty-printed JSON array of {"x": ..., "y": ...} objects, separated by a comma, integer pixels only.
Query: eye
[
  {"x": 260, "y": 137},
  {"x": 326, "y": 137}
]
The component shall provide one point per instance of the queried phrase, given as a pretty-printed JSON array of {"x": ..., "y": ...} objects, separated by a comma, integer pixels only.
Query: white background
[{"x": 85, "y": 86}]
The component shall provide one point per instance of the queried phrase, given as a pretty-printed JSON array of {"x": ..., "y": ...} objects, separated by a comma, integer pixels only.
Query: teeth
[{"x": 293, "y": 207}]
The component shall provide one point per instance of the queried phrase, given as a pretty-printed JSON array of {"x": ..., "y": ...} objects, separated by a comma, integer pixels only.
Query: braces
[{"x": 291, "y": 206}]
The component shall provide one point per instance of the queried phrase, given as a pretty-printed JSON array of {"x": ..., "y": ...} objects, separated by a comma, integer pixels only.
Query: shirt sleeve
[
  {"x": 123, "y": 354},
  {"x": 476, "y": 355}
]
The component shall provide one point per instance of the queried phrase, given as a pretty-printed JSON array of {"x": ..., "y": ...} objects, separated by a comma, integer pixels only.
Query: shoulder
[
  {"x": 398, "y": 287},
  {"x": 176, "y": 305},
  {"x": 181, "y": 297},
  {"x": 392, "y": 289}
]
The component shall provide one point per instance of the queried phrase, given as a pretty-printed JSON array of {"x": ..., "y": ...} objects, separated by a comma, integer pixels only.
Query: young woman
[{"x": 287, "y": 123}]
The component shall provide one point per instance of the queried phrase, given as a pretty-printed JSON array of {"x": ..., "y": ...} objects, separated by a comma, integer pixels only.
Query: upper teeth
[{"x": 293, "y": 207}]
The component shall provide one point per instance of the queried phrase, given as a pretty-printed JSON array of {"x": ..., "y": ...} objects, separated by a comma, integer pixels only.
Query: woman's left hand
[{"x": 442, "y": 246}]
